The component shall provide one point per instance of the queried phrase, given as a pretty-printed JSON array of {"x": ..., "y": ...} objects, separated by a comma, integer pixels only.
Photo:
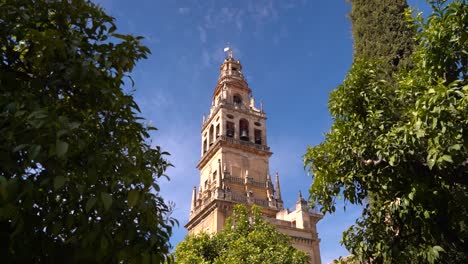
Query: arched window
[
  {"x": 204, "y": 146},
  {"x": 211, "y": 134},
  {"x": 237, "y": 99},
  {"x": 244, "y": 130}
]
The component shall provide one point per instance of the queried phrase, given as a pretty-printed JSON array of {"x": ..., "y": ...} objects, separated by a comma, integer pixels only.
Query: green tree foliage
[
  {"x": 77, "y": 173},
  {"x": 247, "y": 238},
  {"x": 400, "y": 148},
  {"x": 380, "y": 30}
]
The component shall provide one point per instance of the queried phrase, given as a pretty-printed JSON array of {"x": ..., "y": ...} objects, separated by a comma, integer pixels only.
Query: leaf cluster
[
  {"x": 247, "y": 238},
  {"x": 398, "y": 146},
  {"x": 78, "y": 176}
]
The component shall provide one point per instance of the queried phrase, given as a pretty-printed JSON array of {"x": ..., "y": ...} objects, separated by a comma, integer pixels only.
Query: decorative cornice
[
  {"x": 223, "y": 141},
  {"x": 222, "y": 196},
  {"x": 193, "y": 221},
  {"x": 236, "y": 108},
  {"x": 233, "y": 80}
]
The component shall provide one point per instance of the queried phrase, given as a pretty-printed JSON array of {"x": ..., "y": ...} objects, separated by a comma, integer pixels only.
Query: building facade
[{"x": 234, "y": 167}]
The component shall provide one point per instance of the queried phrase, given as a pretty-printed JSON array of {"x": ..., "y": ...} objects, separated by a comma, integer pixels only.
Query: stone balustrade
[
  {"x": 250, "y": 181},
  {"x": 227, "y": 195},
  {"x": 244, "y": 143}
]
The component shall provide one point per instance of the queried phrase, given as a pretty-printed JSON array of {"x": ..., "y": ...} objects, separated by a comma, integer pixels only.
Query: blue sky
[{"x": 293, "y": 54}]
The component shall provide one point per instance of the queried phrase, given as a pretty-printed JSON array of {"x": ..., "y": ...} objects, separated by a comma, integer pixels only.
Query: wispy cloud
[
  {"x": 184, "y": 10},
  {"x": 213, "y": 55},
  {"x": 239, "y": 21},
  {"x": 259, "y": 12},
  {"x": 217, "y": 23},
  {"x": 282, "y": 34},
  {"x": 157, "y": 102},
  {"x": 183, "y": 146},
  {"x": 331, "y": 229},
  {"x": 263, "y": 11},
  {"x": 202, "y": 34}
]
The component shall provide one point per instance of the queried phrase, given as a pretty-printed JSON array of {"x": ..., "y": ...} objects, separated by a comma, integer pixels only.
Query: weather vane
[{"x": 228, "y": 50}]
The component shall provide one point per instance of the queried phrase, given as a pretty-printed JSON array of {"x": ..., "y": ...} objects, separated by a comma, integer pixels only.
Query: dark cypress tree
[{"x": 380, "y": 30}]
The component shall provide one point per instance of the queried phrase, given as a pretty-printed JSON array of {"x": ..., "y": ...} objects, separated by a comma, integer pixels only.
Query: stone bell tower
[{"x": 234, "y": 166}]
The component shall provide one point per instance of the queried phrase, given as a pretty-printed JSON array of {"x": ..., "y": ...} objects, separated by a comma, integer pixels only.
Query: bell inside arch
[{"x": 244, "y": 135}]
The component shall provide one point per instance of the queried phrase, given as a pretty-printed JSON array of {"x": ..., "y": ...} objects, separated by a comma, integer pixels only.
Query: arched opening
[
  {"x": 229, "y": 129},
  {"x": 258, "y": 136},
  {"x": 244, "y": 130},
  {"x": 211, "y": 134},
  {"x": 237, "y": 99},
  {"x": 204, "y": 146}
]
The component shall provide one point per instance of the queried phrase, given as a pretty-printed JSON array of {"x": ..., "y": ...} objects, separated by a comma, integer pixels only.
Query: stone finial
[
  {"x": 301, "y": 203},
  {"x": 219, "y": 174},
  {"x": 194, "y": 199},
  {"x": 277, "y": 185},
  {"x": 268, "y": 194}
]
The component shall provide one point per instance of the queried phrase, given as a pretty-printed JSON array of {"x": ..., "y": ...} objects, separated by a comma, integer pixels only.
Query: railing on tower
[
  {"x": 233, "y": 179},
  {"x": 231, "y": 73},
  {"x": 244, "y": 143},
  {"x": 231, "y": 105},
  {"x": 250, "y": 181},
  {"x": 210, "y": 195}
]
